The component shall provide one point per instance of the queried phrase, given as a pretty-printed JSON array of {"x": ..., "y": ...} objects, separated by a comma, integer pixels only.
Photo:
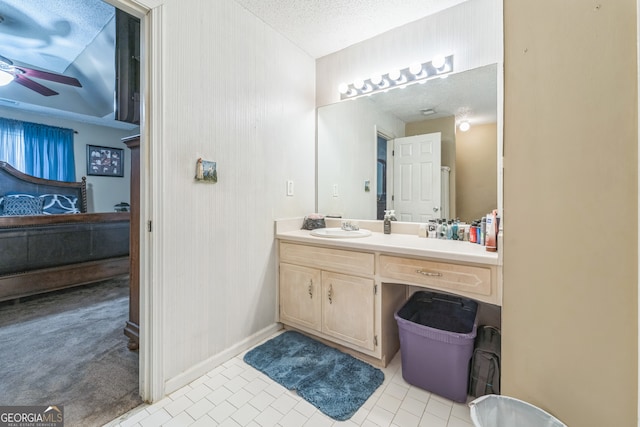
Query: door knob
[{"x": 436, "y": 208}]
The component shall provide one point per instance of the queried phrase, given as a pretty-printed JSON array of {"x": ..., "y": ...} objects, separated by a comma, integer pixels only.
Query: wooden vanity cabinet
[
  {"x": 320, "y": 293},
  {"x": 478, "y": 282},
  {"x": 349, "y": 297},
  {"x": 348, "y": 309},
  {"x": 300, "y": 295}
]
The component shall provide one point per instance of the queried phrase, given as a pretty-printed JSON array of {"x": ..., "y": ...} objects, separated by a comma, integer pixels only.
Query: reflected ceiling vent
[{"x": 427, "y": 111}]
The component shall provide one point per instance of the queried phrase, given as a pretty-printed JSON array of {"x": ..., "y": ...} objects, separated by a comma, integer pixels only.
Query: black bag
[{"x": 484, "y": 377}]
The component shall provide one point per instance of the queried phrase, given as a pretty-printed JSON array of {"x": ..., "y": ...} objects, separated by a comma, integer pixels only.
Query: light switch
[
  {"x": 289, "y": 188},
  {"x": 335, "y": 190}
]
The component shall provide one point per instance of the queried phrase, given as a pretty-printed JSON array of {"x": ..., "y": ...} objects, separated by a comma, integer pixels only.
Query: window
[{"x": 38, "y": 150}]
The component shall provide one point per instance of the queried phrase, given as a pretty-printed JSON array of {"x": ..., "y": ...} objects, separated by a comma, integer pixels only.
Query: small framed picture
[
  {"x": 206, "y": 171},
  {"x": 105, "y": 161}
]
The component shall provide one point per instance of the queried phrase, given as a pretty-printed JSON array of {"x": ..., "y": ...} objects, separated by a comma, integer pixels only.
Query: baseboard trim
[{"x": 209, "y": 364}]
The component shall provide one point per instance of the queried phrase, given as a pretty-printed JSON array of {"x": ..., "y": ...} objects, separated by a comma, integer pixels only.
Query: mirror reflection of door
[{"x": 416, "y": 177}]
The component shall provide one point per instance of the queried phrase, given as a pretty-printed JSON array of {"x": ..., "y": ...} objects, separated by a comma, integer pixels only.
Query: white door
[{"x": 416, "y": 177}]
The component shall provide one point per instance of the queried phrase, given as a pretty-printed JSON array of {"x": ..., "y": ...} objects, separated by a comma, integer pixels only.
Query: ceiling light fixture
[
  {"x": 416, "y": 73},
  {"x": 428, "y": 111},
  {"x": 464, "y": 126}
]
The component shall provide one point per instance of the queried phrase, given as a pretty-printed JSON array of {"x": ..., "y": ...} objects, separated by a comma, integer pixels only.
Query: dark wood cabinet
[{"x": 132, "y": 328}]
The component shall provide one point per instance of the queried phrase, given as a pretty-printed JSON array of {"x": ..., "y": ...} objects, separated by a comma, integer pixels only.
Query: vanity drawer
[
  {"x": 455, "y": 277},
  {"x": 327, "y": 259}
]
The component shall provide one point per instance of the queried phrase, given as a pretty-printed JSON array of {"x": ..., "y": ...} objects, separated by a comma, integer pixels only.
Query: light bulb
[
  {"x": 5, "y": 77},
  {"x": 359, "y": 84},
  {"x": 438, "y": 61},
  {"x": 343, "y": 88},
  {"x": 464, "y": 126},
  {"x": 395, "y": 75},
  {"x": 415, "y": 69},
  {"x": 376, "y": 79}
]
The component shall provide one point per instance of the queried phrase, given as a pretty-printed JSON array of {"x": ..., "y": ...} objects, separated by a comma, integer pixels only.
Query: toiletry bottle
[
  {"x": 439, "y": 229},
  {"x": 454, "y": 230},
  {"x": 472, "y": 232},
  {"x": 432, "y": 227},
  {"x": 483, "y": 230},
  {"x": 450, "y": 230},
  {"x": 491, "y": 232},
  {"x": 387, "y": 223},
  {"x": 443, "y": 234}
]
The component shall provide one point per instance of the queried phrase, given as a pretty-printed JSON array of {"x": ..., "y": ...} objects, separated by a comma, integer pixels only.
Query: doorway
[
  {"x": 416, "y": 182},
  {"x": 381, "y": 176}
]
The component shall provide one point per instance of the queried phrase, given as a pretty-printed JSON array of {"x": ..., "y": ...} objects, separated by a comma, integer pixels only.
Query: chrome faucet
[{"x": 349, "y": 226}]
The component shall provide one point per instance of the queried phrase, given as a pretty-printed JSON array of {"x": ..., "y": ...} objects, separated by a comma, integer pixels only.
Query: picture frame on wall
[{"x": 105, "y": 161}]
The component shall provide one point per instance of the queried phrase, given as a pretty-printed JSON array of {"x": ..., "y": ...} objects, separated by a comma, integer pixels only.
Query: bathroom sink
[{"x": 339, "y": 233}]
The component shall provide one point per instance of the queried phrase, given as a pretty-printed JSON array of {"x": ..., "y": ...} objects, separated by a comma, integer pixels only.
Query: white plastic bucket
[{"x": 493, "y": 410}]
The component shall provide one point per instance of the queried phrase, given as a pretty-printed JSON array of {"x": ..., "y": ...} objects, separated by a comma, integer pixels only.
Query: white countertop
[{"x": 393, "y": 244}]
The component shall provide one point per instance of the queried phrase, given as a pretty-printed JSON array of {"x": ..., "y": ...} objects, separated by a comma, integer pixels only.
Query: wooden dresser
[{"x": 132, "y": 328}]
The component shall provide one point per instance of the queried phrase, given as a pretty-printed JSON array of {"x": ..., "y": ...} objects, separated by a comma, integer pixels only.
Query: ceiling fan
[{"x": 19, "y": 74}]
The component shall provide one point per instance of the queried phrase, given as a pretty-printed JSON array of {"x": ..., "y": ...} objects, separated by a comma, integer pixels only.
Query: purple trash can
[{"x": 437, "y": 333}]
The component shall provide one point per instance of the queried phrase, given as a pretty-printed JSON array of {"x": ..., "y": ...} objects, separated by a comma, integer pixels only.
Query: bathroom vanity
[{"x": 346, "y": 290}]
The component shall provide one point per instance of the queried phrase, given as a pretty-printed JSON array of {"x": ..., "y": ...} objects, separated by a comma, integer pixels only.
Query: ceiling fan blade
[
  {"x": 28, "y": 83},
  {"x": 53, "y": 77}
]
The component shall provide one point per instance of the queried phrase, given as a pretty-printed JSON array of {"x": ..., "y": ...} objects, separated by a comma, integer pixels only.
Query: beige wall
[
  {"x": 570, "y": 314},
  {"x": 476, "y": 165},
  {"x": 447, "y": 127}
]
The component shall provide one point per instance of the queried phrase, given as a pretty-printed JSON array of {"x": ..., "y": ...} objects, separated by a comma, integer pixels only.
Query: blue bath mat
[{"x": 334, "y": 382}]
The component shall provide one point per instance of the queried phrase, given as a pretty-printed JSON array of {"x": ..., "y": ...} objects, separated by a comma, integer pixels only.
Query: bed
[{"x": 48, "y": 241}]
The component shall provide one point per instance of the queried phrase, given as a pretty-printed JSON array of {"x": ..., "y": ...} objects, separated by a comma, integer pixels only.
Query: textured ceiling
[
  {"x": 321, "y": 27},
  {"x": 53, "y": 34},
  {"x": 470, "y": 95},
  {"x": 50, "y": 34}
]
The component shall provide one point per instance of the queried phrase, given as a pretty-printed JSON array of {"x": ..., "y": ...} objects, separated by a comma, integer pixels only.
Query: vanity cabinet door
[
  {"x": 300, "y": 298},
  {"x": 348, "y": 309}
]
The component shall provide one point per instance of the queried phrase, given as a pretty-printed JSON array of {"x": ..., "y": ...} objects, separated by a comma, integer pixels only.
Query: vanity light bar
[{"x": 397, "y": 78}]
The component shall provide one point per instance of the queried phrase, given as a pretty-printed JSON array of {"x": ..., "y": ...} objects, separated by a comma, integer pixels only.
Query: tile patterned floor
[{"x": 235, "y": 394}]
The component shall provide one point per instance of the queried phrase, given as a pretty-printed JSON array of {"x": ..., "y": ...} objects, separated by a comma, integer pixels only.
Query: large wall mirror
[{"x": 371, "y": 157}]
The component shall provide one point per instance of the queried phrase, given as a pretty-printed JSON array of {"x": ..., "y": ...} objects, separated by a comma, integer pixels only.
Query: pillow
[
  {"x": 59, "y": 204},
  {"x": 22, "y": 204}
]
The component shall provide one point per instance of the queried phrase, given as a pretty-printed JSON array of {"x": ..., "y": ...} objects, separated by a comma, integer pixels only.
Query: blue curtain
[
  {"x": 12, "y": 143},
  {"x": 42, "y": 151}
]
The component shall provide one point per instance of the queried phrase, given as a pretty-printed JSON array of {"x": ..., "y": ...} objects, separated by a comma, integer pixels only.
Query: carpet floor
[{"x": 68, "y": 348}]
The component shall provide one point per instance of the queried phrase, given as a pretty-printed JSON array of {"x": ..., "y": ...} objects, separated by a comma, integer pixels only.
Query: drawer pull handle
[
  {"x": 311, "y": 289},
  {"x": 429, "y": 273},
  {"x": 330, "y": 294}
]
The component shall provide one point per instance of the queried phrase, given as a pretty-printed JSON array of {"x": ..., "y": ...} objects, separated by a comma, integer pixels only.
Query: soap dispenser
[{"x": 387, "y": 223}]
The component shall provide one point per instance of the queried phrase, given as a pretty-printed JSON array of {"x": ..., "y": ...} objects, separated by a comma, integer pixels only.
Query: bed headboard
[{"x": 12, "y": 180}]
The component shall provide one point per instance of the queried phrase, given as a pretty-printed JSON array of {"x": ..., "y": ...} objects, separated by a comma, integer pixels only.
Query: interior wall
[
  {"x": 570, "y": 315},
  {"x": 102, "y": 192},
  {"x": 470, "y": 30},
  {"x": 447, "y": 127},
  {"x": 476, "y": 181},
  {"x": 237, "y": 93}
]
